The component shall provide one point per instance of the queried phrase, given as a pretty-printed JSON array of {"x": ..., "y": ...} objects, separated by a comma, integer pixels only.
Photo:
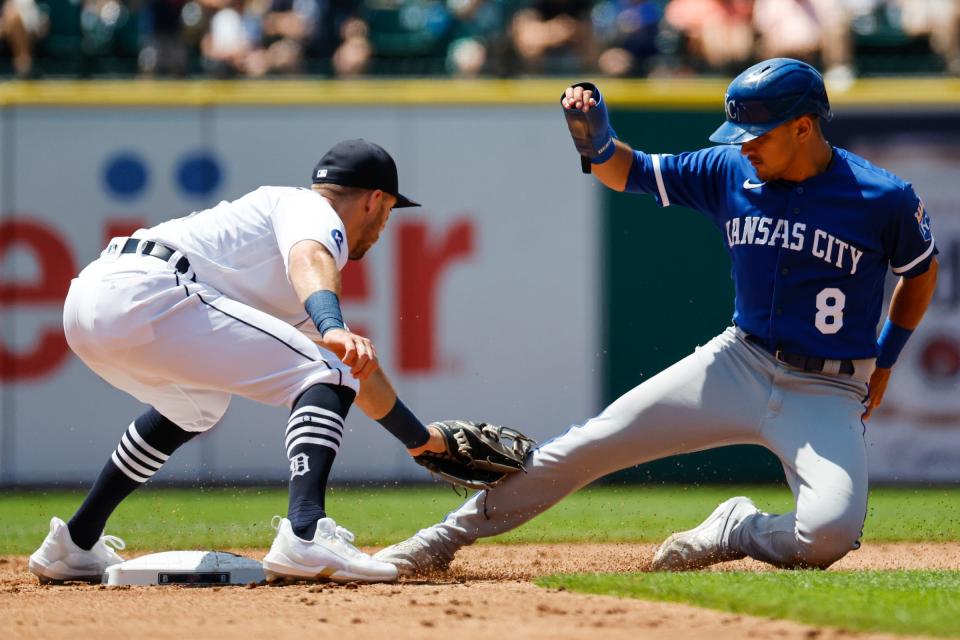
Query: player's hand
[
  {"x": 355, "y": 351},
  {"x": 436, "y": 443},
  {"x": 578, "y": 98},
  {"x": 878, "y": 386}
]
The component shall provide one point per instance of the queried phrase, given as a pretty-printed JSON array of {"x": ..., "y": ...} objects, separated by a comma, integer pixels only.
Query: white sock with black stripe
[
  {"x": 147, "y": 443},
  {"x": 312, "y": 440}
]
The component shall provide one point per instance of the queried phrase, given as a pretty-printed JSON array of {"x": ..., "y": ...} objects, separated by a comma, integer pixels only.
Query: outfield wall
[
  {"x": 521, "y": 293},
  {"x": 917, "y": 435},
  {"x": 482, "y": 304}
]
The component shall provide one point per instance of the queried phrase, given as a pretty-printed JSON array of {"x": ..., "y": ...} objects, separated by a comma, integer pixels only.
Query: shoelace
[
  {"x": 346, "y": 535},
  {"x": 345, "y": 538},
  {"x": 113, "y": 543},
  {"x": 340, "y": 534}
]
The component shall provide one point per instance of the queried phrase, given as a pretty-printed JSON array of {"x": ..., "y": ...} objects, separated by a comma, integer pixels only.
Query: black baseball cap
[{"x": 363, "y": 164}]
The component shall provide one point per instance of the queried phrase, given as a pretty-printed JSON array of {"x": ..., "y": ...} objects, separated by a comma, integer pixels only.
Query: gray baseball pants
[{"x": 728, "y": 391}]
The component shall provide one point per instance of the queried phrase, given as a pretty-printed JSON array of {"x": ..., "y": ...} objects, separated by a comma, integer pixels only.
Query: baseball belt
[
  {"x": 161, "y": 251},
  {"x": 804, "y": 363}
]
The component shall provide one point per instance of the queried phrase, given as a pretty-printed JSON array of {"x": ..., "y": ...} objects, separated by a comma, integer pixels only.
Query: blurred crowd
[{"x": 345, "y": 38}]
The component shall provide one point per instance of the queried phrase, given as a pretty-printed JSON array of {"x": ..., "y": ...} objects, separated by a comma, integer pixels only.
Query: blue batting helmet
[{"x": 768, "y": 94}]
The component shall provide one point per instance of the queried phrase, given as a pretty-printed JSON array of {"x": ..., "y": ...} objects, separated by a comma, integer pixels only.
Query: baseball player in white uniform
[{"x": 240, "y": 299}]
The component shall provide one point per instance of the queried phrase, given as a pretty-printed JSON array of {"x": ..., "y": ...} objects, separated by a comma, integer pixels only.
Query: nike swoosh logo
[{"x": 752, "y": 185}]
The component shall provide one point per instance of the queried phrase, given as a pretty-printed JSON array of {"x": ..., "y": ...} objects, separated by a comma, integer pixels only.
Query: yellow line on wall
[{"x": 701, "y": 93}]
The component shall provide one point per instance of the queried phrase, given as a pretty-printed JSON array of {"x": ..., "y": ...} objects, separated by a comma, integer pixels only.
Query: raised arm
[
  {"x": 609, "y": 159},
  {"x": 614, "y": 173}
]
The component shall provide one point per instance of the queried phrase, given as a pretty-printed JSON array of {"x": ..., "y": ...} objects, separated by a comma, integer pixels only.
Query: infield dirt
[{"x": 487, "y": 594}]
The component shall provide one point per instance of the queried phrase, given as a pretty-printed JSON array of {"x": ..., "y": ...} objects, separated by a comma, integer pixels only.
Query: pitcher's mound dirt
[{"x": 486, "y": 595}]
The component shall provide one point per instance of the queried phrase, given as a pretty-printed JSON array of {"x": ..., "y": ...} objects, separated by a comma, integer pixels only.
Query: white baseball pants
[{"x": 183, "y": 347}]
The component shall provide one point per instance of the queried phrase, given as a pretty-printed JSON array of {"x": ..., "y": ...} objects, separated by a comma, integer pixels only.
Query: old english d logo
[{"x": 299, "y": 465}]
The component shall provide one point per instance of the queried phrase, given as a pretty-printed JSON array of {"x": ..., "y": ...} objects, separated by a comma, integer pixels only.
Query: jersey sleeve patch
[
  {"x": 337, "y": 237},
  {"x": 913, "y": 245},
  {"x": 923, "y": 221}
]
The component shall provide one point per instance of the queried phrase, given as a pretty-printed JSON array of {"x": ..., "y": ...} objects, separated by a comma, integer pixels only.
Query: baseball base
[{"x": 192, "y": 568}]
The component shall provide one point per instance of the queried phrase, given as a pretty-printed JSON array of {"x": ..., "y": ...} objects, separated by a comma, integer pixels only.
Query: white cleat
[
  {"x": 706, "y": 544},
  {"x": 59, "y": 559},
  {"x": 414, "y": 556},
  {"x": 329, "y": 556}
]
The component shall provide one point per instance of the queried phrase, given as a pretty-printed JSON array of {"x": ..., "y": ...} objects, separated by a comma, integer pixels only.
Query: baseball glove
[{"x": 479, "y": 455}]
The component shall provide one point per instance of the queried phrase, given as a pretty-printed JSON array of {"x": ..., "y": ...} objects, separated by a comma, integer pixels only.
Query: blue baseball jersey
[{"x": 809, "y": 258}]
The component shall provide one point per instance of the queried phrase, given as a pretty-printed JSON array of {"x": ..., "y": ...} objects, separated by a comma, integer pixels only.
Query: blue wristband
[
  {"x": 324, "y": 309},
  {"x": 405, "y": 426},
  {"x": 890, "y": 343}
]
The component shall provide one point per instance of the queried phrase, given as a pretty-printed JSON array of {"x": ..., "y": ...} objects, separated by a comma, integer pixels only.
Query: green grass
[
  {"x": 915, "y": 602},
  {"x": 158, "y": 519}
]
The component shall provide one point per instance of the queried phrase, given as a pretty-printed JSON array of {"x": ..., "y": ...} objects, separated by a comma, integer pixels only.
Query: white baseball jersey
[
  {"x": 185, "y": 347},
  {"x": 242, "y": 247}
]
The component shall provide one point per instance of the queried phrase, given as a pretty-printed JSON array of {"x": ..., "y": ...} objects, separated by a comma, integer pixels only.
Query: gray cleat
[
  {"x": 706, "y": 544},
  {"x": 414, "y": 556}
]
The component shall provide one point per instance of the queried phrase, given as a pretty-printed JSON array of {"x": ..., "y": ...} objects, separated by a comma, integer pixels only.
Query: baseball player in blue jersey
[{"x": 811, "y": 230}]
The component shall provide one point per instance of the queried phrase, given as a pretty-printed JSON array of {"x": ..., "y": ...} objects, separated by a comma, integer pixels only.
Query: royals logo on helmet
[
  {"x": 732, "y": 110},
  {"x": 923, "y": 220}
]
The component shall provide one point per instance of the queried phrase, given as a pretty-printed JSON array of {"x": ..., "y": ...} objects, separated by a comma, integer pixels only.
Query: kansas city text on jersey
[
  {"x": 843, "y": 229},
  {"x": 760, "y": 230}
]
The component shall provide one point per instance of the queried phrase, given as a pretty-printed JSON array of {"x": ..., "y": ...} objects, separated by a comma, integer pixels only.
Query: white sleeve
[{"x": 301, "y": 214}]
